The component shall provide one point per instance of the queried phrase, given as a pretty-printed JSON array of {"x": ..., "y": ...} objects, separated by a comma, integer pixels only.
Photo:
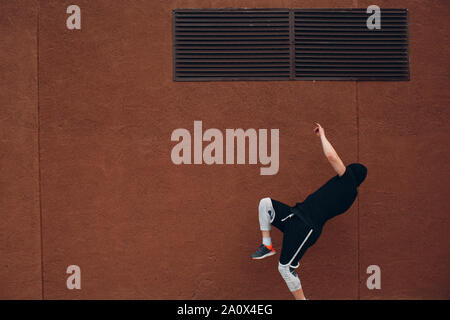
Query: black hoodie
[{"x": 335, "y": 197}]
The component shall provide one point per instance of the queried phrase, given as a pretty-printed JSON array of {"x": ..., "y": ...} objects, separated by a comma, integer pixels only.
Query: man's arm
[{"x": 330, "y": 153}]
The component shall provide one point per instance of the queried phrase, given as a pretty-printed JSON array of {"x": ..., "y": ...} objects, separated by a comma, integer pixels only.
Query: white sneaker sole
[{"x": 266, "y": 255}]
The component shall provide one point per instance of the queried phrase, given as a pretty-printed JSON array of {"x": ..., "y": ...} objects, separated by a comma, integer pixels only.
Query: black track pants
[{"x": 297, "y": 236}]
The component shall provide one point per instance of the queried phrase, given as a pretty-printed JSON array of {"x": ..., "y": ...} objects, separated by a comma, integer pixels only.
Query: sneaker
[{"x": 262, "y": 252}]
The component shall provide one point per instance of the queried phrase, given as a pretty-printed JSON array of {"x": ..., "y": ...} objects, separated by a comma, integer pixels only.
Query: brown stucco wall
[
  {"x": 20, "y": 237},
  {"x": 404, "y": 130},
  {"x": 140, "y": 227}
]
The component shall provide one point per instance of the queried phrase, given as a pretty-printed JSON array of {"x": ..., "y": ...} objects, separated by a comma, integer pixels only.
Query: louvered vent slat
[
  {"x": 231, "y": 44},
  {"x": 336, "y": 44}
]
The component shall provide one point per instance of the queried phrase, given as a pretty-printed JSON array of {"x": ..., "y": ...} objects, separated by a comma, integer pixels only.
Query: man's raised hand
[{"x": 318, "y": 130}]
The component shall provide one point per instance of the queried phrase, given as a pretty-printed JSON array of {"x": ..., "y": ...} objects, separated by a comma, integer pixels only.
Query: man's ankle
[{"x": 267, "y": 241}]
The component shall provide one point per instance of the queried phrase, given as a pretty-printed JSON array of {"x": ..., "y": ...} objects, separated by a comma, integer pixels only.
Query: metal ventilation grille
[
  {"x": 335, "y": 44},
  {"x": 231, "y": 44},
  {"x": 289, "y": 44}
]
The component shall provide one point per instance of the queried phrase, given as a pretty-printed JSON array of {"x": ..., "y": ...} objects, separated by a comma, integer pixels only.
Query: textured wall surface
[
  {"x": 20, "y": 237},
  {"x": 140, "y": 227},
  {"x": 404, "y": 141}
]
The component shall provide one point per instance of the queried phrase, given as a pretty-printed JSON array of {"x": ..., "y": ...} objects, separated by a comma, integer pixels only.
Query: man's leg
[
  {"x": 265, "y": 215},
  {"x": 299, "y": 295},
  {"x": 295, "y": 243},
  {"x": 292, "y": 280}
]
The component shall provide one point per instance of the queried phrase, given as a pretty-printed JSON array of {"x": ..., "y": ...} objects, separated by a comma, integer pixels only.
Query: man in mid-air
[{"x": 302, "y": 224}]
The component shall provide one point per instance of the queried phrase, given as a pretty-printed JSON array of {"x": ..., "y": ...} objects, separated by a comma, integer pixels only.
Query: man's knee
[
  {"x": 265, "y": 203},
  {"x": 290, "y": 277}
]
